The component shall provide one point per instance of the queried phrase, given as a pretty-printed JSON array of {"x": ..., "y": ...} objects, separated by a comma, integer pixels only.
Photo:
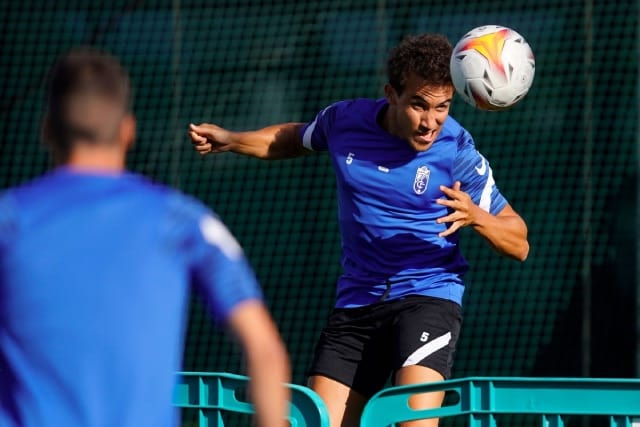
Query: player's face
[{"x": 419, "y": 112}]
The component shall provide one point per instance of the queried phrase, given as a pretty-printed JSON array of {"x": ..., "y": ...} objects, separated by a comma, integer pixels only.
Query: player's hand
[
  {"x": 208, "y": 138},
  {"x": 462, "y": 206}
]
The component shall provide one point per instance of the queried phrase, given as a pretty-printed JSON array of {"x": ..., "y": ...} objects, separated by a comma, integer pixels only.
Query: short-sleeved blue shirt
[
  {"x": 95, "y": 272},
  {"x": 387, "y": 194}
]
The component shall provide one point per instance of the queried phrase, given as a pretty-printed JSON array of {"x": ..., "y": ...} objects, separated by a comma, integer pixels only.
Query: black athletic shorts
[{"x": 361, "y": 347}]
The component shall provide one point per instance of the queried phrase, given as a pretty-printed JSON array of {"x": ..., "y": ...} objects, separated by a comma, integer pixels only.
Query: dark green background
[{"x": 566, "y": 157}]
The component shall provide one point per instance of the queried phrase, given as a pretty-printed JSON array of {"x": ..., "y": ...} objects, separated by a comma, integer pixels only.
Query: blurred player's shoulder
[
  {"x": 65, "y": 192},
  {"x": 179, "y": 207}
]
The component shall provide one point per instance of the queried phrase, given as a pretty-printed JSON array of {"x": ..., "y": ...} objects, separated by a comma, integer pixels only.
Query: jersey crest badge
[{"x": 421, "y": 180}]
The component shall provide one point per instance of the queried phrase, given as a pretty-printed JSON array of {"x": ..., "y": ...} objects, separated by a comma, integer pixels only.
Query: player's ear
[
  {"x": 391, "y": 94},
  {"x": 128, "y": 131}
]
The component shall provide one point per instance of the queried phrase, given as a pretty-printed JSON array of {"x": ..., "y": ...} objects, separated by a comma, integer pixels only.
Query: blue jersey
[
  {"x": 95, "y": 273},
  {"x": 387, "y": 194}
]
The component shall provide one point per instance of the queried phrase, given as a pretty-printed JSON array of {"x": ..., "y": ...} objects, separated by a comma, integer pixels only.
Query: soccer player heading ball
[{"x": 408, "y": 179}]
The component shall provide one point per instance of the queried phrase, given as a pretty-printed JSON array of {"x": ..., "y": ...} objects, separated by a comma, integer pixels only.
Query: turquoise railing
[
  {"x": 212, "y": 394},
  {"x": 480, "y": 400}
]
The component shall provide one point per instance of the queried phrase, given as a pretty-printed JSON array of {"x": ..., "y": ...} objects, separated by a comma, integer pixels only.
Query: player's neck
[
  {"x": 383, "y": 118},
  {"x": 96, "y": 158}
]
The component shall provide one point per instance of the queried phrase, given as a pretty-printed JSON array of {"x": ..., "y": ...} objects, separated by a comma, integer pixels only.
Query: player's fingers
[
  {"x": 448, "y": 218},
  {"x": 203, "y": 148},
  {"x": 196, "y": 128},
  {"x": 446, "y": 202},
  {"x": 444, "y": 219},
  {"x": 452, "y": 229},
  {"x": 204, "y": 129},
  {"x": 444, "y": 233},
  {"x": 450, "y": 192},
  {"x": 197, "y": 138}
]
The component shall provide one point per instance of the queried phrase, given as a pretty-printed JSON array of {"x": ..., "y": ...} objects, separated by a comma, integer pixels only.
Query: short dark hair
[
  {"x": 427, "y": 55},
  {"x": 88, "y": 95}
]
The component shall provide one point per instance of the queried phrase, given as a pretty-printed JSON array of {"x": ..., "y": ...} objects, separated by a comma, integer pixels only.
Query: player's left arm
[{"x": 505, "y": 231}]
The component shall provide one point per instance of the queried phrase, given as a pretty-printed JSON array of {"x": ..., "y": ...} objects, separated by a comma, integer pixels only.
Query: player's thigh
[
  {"x": 426, "y": 332},
  {"x": 343, "y": 403},
  {"x": 354, "y": 349},
  {"x": 417, "y": 374}
]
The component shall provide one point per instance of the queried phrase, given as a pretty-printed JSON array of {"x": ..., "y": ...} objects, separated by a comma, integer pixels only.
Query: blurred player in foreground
[
  {"x": 96, "y": 265},
  {"x": 409, "y": 177}
]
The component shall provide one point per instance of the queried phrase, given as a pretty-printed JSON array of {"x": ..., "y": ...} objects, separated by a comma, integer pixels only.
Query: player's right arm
[{"x": 281, "y": 141}]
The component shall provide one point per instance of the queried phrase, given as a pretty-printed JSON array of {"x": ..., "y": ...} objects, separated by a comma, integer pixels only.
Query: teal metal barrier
[
  {"x": 481, "y": 399},
  {"x": 213, "y": 393}
]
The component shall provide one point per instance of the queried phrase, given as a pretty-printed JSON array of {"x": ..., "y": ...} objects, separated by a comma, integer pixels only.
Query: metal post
[{"x": 587, "y": 121}]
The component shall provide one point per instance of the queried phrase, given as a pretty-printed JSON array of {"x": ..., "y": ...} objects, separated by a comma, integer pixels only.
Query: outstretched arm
[
  {"x": 280, "y": 141},
  {"x": 506, "y": 232},
  {"x": 267, "y": 362}
]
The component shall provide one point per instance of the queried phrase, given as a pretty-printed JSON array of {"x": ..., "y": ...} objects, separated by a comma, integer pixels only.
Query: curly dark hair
[{"x": 426, "y": 55}]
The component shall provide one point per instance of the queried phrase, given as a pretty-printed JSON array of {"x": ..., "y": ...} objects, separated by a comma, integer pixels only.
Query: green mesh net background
[{"x": 566, "y": 157}]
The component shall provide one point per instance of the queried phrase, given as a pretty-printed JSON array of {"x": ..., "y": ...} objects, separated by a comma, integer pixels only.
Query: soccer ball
[{"x": 492, "y": 67}]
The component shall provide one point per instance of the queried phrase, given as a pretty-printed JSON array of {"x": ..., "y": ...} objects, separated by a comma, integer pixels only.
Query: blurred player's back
[{"x": 105, "y": 303}]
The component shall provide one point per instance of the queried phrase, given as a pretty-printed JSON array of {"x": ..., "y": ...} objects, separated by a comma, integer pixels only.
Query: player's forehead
[
  {"x": 418, "y": 88},
  {"x": 431, "y": 95}
]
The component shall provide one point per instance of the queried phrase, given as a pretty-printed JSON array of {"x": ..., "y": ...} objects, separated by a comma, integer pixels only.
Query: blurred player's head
[
  {"x": 419, "y": 89},
  {"x": 88, "y": 103}
]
